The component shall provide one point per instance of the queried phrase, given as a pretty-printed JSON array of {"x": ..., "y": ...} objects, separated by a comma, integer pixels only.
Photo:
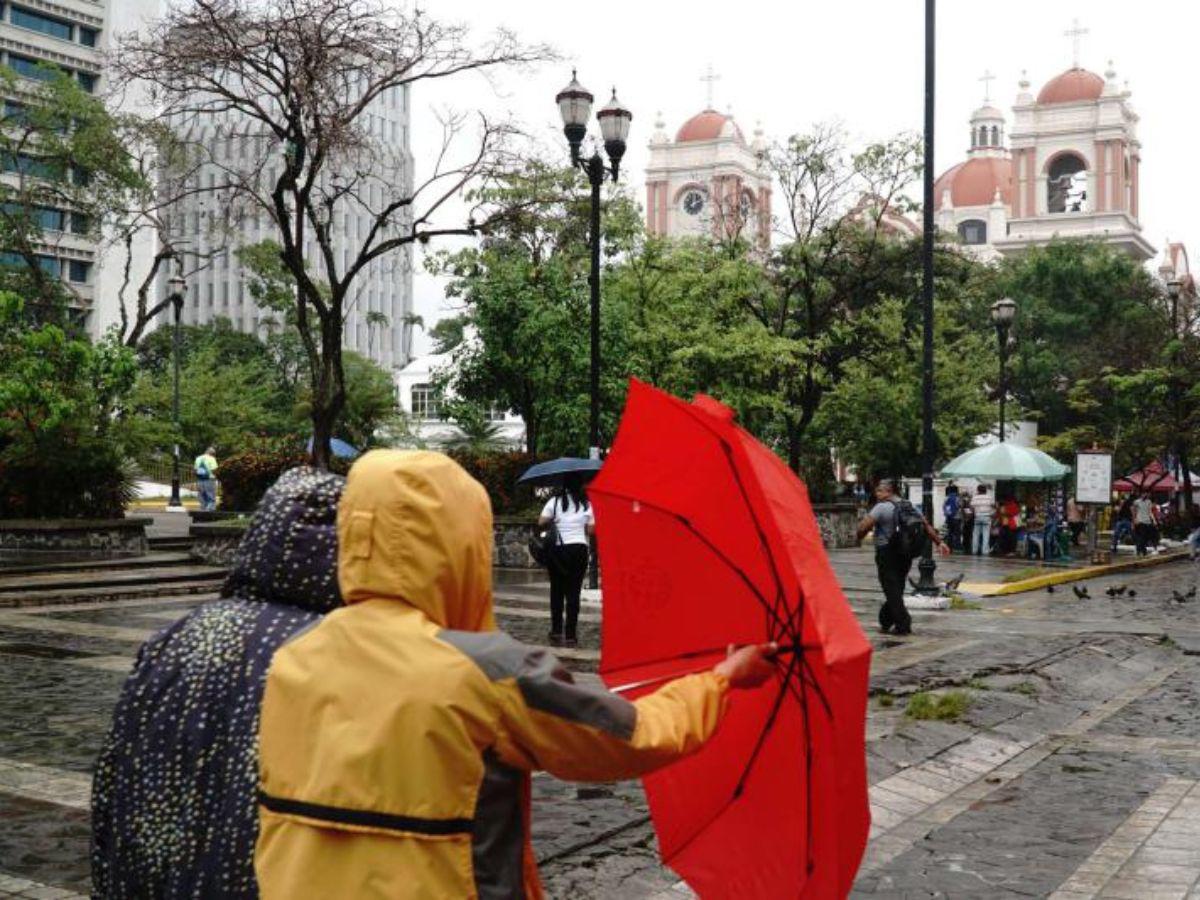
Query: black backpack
[{"x": 908, "y": 536}]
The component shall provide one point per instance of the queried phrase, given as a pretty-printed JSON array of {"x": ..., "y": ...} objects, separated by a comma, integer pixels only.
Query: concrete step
[
  {"x": 175, "y": 543},
  {"x": 18, "y": 600},
  {"x": 154, "y": 559},
  {"x": 57, "y": 581}
]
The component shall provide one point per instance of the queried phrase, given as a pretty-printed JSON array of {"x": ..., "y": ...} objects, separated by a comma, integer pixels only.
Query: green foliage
[
  {"x": 873, "y": 413},
  {"x": 943, "y": 707},
  {"x": 57, "y": 397},
  {"x": 447, "y": 334},
  {"x": 73, "y": 165},
  {"x": 370, "y": 402},
  {"x": 1088, "y": 319},
  {"x": 477, "y": 432},
  {"x": 885, "y": 700},
  {"x": 498, "y": 473},
  {"x": 959, "y": 602},
  {"x": 247, "y": 475}
]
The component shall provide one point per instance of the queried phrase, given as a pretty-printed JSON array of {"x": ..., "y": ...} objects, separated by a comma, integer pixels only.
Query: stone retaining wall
[
  {"x": 838, "y": 523},
  {"x": 216, "y": 543},
  {"x": 74, "y": 538}
]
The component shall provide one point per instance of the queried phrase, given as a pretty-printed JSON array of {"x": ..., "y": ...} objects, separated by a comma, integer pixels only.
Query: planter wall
[
  {"x": 510, "y": 542},
  {"x": 838, "y": 523},
  {"x": 215, "y": 543},
  {"x": 74, "y": 538}
]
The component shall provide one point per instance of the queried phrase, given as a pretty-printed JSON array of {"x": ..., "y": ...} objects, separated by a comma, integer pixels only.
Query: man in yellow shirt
[{"x": 206, "y": 479}]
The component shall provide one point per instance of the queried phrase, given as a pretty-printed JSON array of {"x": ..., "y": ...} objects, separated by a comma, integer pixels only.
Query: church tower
[
  {"x": 1076, "y": 160},
  {"x": 708, "y": 181}
]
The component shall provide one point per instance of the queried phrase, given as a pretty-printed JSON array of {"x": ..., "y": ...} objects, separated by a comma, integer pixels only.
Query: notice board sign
[{"x": 1093, "y": 476}]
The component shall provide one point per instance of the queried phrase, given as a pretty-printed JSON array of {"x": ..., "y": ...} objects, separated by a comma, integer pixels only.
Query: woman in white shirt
[{"x": 574, "y": 521}]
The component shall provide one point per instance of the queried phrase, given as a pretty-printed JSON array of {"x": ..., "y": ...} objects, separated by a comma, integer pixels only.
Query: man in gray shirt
[{"x": 892, "y": 565}]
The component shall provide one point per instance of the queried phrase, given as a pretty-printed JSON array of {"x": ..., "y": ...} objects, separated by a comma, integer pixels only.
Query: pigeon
[
  {"x": 1112, "y": 592},
  {"x": 1120, "y": 590},
  {"x": 1050, "y": 589},
  {"x": 1178, "y": 597},
  {"x": 1081, "y": 592},
  {"x": 953, "y": 583},
  {"x": 1132, "y": 593},
  {"x": 1191, "y": 595}
]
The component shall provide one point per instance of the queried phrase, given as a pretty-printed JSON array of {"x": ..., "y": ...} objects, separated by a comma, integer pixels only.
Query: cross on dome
[
  {"x": 987, "y": 78},
  {"x": 1075, "y": 32},
  {"x": 710, "y": 77}
]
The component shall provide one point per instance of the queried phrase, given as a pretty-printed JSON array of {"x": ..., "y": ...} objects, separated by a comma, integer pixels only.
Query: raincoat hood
[
  {"x": 289, "y": 553},
  {"x": 413, "y": 526}
]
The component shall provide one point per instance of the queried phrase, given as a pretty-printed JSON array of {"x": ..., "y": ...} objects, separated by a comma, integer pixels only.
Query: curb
[{"x": 990, "y": 589}]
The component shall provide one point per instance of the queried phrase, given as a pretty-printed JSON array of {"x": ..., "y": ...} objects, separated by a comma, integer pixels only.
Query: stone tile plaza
[{"x": 1073, "y": 773}]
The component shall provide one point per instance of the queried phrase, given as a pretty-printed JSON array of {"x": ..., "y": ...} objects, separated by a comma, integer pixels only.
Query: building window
[
  {"x": 78, "y": 271},
  {"x": 88, "y": 36},
  {"x": 27, "y": 18},
  {"x": 426, "y": 402},
  {"x": 32, "y": 68},
  {"x": 87, "y": 81},
  {"x": 1066, "y": 185},
  {"x": 972, "y": 231},
  {"x": 47, "y": 264}
]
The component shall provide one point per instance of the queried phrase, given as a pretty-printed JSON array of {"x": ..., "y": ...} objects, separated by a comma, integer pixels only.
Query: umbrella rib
[
  {"x": 714, "y": 548},
  {"x": 770, "y": 723}
]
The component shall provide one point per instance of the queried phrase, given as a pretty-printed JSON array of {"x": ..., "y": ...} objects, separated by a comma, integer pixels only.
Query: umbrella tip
[{"x": 713, "y": 407}]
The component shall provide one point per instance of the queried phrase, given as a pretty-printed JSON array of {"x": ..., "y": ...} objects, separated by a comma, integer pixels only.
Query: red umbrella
[{"x": 706, "y": 538}]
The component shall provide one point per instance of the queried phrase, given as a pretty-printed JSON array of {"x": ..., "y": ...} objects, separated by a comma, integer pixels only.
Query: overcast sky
[{"x": 789, "y": 65}]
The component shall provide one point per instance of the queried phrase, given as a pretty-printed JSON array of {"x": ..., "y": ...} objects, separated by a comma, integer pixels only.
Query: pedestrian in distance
[
  {"x": 398, "y": 734},
  {"x": 952, "y": 513},
  {"x": 983, "y": 505},
  {"x": 1123, "y": 526},
  {"x": 175, "y": 794},
  {"x": 574, "y": 522},
  {"x": 1194, "y": 544},
  {"x": 1076, "y": 521},
  {"x": 966, "y": 524},
  {"x": 1010, "y": 524},
  {"x": 898, "y": 527},
  {"x": 205, "y": 468},
  {"x": 1143, "y": 523}
]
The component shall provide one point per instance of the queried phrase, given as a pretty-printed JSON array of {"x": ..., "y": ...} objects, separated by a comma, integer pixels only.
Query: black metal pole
[
  {"x": 596, "y": 177},
  {"x": 176, "y": 497},
  {"x": 1002, "y": 340},
  {"x": 927, "y": 566}
]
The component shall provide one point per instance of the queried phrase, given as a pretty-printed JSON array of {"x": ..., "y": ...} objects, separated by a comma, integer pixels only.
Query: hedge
[{"x": 498, "y": 473}]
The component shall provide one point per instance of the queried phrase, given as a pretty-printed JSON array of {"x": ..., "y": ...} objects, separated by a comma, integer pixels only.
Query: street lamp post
[
  {"x": 1174, "y": 289},
  {"x": 927, "y": 567},
  {"x": 177, "y": 288},
  {"x": 575, "y": 105},
  {"x": 1003, "y": 313}
]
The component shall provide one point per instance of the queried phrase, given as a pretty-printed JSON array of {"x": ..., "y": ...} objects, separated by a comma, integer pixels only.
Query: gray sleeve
[
  {"x": 544, "y": 682},
  {"x": 880, "y": 511}
]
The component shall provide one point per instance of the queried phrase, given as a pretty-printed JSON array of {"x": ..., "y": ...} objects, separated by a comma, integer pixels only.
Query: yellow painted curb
[{"x": 1063, "y": 576}]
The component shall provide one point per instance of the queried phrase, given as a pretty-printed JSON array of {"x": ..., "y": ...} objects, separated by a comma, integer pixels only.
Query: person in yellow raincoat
[{"x": 397, "y": 735}]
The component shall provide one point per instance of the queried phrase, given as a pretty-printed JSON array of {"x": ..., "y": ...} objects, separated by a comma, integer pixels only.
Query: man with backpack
[
  {"x": 900, "y": 534},
  {"x": 206, "y": 483}
]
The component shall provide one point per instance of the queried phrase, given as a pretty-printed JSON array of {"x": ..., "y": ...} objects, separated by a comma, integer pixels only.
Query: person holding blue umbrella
[{"x": 569, "y": 511}]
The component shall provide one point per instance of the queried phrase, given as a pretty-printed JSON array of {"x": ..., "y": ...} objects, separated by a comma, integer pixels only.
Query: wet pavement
[{"x": 1072, "y": 772}]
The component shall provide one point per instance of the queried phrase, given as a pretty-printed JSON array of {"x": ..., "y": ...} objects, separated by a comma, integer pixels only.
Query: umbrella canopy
[
  {"x": 338, "y": 447},
  {"x": 706, "y": 538},
  {"x": 1006, "y": 462},
  {"x": 552, "y": 473},
  {"x": 1153, "y": 478}
]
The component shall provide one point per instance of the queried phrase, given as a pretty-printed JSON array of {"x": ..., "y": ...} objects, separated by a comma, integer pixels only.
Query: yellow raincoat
[{"x": 398, "y": 734}]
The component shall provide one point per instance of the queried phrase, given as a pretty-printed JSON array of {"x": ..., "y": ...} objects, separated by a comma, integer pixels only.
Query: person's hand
[
  {"x": 944, "y": 548},
  {"x": 747, "y": 667}
]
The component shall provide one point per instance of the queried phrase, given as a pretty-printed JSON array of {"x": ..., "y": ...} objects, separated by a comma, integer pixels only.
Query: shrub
[
  {"x": 498, "y": 473},
  {"x": 60, "y": 456},
  {"x": 246, "y": 476}
]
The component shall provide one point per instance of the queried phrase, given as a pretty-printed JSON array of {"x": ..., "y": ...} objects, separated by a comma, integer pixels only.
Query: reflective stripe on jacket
[{"x": 398, "y": 735}]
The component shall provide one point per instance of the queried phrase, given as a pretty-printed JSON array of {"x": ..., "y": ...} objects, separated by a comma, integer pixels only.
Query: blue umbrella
[
  {"x": 340, "y": 448},
  {"x": 551, "y": 474}
]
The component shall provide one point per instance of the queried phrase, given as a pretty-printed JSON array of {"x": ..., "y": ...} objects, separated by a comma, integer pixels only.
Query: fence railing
[{"x": 159, "y": 471}]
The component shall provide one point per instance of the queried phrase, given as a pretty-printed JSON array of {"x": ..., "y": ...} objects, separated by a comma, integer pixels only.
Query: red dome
[
  {"x": 706, "y": 126},
  {"x": 1072, "y": 86},
  {"x": 974, "y": 182}
]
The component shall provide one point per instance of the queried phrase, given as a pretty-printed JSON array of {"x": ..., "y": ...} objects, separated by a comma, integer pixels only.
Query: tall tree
[
  {"x": 303, "y": 78},
  {"x": 524, "y": 306}
]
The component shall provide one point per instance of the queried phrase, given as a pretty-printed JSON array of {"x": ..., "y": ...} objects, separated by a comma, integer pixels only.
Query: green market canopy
[{"x": 1006, "y": 462}]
